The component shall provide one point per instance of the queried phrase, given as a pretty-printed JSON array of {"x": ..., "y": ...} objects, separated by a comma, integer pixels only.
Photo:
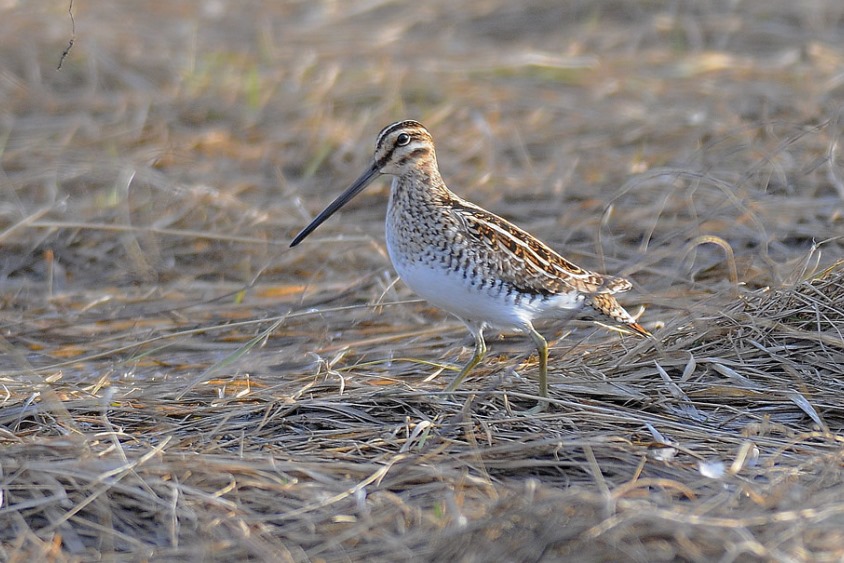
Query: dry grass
[{"x": 177, "y": 384}]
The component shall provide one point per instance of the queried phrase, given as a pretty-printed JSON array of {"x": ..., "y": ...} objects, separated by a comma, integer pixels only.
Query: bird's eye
[{"x": 402, "y": 140}]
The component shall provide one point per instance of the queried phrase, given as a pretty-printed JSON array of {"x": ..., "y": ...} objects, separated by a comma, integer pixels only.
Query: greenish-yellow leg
[
  {"x": 542, "y": 350},
  {"x": 480, "y": 352}
]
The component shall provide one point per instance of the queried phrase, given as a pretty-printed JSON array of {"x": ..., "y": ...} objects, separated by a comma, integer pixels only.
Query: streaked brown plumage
[{"x": 471, "y": 262}]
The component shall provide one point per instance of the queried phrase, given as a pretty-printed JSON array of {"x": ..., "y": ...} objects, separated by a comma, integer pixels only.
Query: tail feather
[
  {"x": 613, "y": 285},
  {"x": 608, "y": 306},
  {"x": 640, "y": 329}
]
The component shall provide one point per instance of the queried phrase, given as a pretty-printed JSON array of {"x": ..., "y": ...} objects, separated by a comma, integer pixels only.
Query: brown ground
[{"x": 177, "y": 384}]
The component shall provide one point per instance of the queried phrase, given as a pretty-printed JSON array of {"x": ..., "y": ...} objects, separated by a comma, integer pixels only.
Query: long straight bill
[{"x": 342, "y": 200}]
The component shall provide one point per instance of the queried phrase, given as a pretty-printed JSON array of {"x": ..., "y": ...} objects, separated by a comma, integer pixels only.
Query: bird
[{"x": 470, "y": 262}]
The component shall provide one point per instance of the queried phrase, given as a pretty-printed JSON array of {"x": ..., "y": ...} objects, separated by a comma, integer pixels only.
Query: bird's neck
[{"x": 420, "y": 186}]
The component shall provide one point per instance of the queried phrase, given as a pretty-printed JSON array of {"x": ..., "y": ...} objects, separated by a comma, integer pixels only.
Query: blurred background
[
  {"x": 149, "y": 189},
  {"x": 616, "y": 131}
]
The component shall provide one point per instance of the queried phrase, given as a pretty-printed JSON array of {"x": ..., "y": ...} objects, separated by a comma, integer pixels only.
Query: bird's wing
[{"x": 526, "y": 262}]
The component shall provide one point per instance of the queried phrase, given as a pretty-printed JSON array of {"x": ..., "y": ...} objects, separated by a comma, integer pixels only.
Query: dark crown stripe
[{"x": 397, "y": 125}]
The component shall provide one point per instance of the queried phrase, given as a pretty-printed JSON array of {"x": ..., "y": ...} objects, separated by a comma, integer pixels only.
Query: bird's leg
[
  {"x": 480, "y": 352},
  {"x": 542, "y": 350}
]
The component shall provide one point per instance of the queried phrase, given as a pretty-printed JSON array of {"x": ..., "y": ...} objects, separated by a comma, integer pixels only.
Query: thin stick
[{"x": 72, "y": 36}]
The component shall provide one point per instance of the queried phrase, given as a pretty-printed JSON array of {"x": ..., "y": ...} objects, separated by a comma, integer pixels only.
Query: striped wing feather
[{"x": 526, "y": 262}]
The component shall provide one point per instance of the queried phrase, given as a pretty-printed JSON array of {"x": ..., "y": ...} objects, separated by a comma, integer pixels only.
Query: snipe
[{"x": 470, "y": 262}]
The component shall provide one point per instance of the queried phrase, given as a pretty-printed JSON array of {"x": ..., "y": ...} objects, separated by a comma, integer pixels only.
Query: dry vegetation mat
[{"x": 177, "y": 384}]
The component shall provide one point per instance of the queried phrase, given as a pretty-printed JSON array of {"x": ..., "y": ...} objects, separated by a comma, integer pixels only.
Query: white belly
[
  {"x": 414, "y": 255},
  {"x": 449, "y": 291}
]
